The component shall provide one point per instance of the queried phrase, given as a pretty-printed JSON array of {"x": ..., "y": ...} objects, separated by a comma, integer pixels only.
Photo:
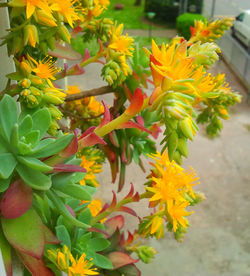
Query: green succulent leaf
[
  {"x": 41, "y": 121},
  {"x": 14, "y": 138},
  {"x": 75, "y": 191},
  {"x": 8, "y": 115},
  {"x": 25, "y": 126},
  {"x": 102, "y": 261},
  {"x": 98, "y": 244},
  {"x": 54, "y": 148},
  {"x": 60, "y": 206},
  {"x": 85, "y": 216},
  {"x": 7, "y": 165},
  {"x": 34, "y": 163},
  {"x": 24, "y": 148},
  {"x": 4, "y": 184},
  {"x": 33, "y": 178},
  {"x": 33, "y": 137},
  {"x": 25, "y": 233},
  {"x": 63, "y": 235}
]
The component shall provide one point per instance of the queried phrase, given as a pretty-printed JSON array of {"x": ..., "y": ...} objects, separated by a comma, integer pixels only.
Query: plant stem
[
  {"x": 88, "y": 93},
  {"x": 116, "y": 208},
  {"x": 92, "y": 59}
]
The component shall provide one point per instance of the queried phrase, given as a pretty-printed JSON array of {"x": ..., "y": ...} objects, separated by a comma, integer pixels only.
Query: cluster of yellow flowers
[
  {"x": 45, "y": 12},
  {"x": 85, "y": 112},
  {"x": 169, "y": 189},
  {"x": 65, "y": 261},
  {"x": 91, "y": 162}
]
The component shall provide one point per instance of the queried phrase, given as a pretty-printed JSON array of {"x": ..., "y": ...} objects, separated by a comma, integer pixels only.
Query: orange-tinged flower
[
  {"x": 45, "y": 69},
  {"x": 31, "y": 6},
  {"x": 68, "y": 9},
  {"x": 65, "y": 261},
  {"x": 177, "y": 212},
  {"x": 92, "y": 167}
]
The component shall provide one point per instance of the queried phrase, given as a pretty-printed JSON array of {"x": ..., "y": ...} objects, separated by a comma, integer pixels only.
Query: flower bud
[{"x": 30, "y": 35}]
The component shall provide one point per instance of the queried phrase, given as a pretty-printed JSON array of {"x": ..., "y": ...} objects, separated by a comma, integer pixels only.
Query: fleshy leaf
[
  {"x": 65, "y": 52},
  {"x": 25, "y": 126},
  {"x": 114, "y": 223},
  {"x": 130, "y": 270},
  {"x": 76, "y": 191},
  {"x": 68, "y": 168},
  {"x": 89, "y": 138},
  {"x": 25, "y": 233},
  {"x": 36, "y": 267},
  {"x": 55, "y": 147},
  {"x": 136, "y": 103},
  {"x": 120, "y": 259},
  {"x": 34, "y": 179},
  {"x": 41, "y": 121},
  {"x": 7, "y": 165},
  {"x": 49, "y": 236},
  {"x": 8, "y": 115},
  {"x": 72, "y": 148},
  {"x": 34, "y": 163},
  {"x": 127, "y": 210},
  {"x": 16, "y": 200}
]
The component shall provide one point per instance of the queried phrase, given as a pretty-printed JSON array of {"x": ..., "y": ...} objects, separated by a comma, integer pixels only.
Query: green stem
[
  {"x": 125, "y": 201},
  {"x": 118, "y": 121}
]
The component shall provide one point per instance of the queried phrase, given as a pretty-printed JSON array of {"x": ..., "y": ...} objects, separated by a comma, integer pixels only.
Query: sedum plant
[{"x": 51, "y": 220}]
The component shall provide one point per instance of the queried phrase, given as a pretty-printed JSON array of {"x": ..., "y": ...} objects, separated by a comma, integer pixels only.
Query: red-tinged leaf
[
  {"x": 98, "y": 231},
  {"x": 122, "y": 176},
  {"x": 101, "y": 46},
  {"x": 128, "y": 93},
  {"x": 75, "y": 70},
  {"x": 120, "y": 259},
  {"x": 16, "y": 200},
  {"x": 156, "y": 93},
  {"x": 136, "y": 103},
  {"x": 114, "y": 139},
  {"x": 35, "y": 267},
  {"x": 70, "y": 210},
  {"x": 113, "y": 161},
  {"x": 140, "y": 120},
  {"x": 65, "y": 52},
  {"x": 25, "y": 233},
  {"x": 89, "y": 138},
  {"x": 123, "y": 155},
  {"x": 49, "y": 236},
  {"x": 150, "y": 81},
  {"x": 86, "y": 55},
  {"x": 104, "y": 208},
  {"x": 130, "y": 270},
  {"x": 141, "y": 165},
  {"x": 130, "y": 238},
  {"x": 72, "y": 148},
  {"x": 131, "y": 124},
  {"x": 131, "y": 192},
  {"x": 114, "y": 170},
  {"x": 67, "y": 168},
  {"x": 76, "y": 30},
  {"x": 127, "y": 210},
  {"x": 155, "y": 130},
  {"x": 106, "y": 116},
  {"x": 136, "y": 197},
  {"x": 114, "y": 223},
  {"x": 114, "y": 201}
]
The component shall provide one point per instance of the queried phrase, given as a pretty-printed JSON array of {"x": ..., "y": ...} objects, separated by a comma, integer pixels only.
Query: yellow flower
[
  {"x": 170, "y": 183},
  {"x": 121, "y": 43},
  {"x": 68, "y": 9},
  {"x": 44, "y": 69},
  {"x": 92, "y": 167},
  {"x": 177, "y": 212},
  {"x": 73, "y": 266},
  {"x": 31, "y": 6}
]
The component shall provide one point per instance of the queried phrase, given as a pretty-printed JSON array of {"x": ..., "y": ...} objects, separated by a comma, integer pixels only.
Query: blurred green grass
[{"x": 130, "y": 16}]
